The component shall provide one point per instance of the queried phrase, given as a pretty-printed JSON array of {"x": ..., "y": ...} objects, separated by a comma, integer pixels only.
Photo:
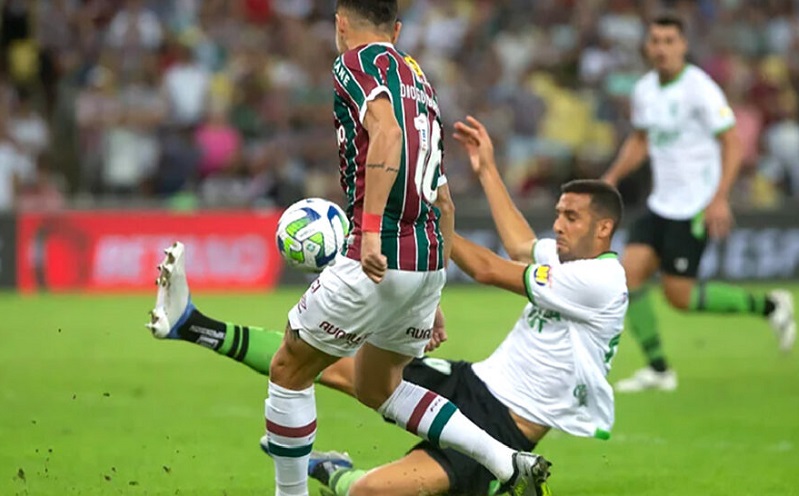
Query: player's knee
[
  {"x": 290, "y": 370},
  {"x": 371, "y": 396},
  {"x": 368, "y": 485},
  {"x": 677, "y": 298},
  {"x": 280, "y": 367}
]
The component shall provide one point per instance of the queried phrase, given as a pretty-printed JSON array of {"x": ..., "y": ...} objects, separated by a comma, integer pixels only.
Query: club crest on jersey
[{"x": 541, "y": 275}]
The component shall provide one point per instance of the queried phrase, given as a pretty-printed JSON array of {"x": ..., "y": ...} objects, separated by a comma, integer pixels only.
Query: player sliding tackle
[
  {"x": 390, "y": 276},
  {"x": 548, "y": 373}
]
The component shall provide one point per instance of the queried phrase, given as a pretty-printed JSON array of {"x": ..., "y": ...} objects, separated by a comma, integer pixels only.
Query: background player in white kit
[
  {"x": 683, "y": 123},
  {"x": 550, "y": 371}
]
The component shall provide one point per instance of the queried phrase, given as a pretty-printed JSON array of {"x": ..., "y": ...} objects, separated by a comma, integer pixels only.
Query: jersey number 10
[{"x": 429, "y": 160}]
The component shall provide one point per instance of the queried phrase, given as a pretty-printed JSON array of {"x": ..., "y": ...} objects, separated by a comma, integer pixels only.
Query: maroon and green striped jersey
[{"x": 410, "y": 235}]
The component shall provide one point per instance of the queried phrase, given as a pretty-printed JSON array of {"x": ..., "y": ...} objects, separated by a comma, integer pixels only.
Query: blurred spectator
[
  {"x": 186, "y": 87},
  {"x": 43, "y": 191},
  {"x": 28, "y": 128},
  {"x": 179, "y": 162},
  {"x": 229, "y": 101},
  {"x": 781, "y": 163},
  {"x": 16, "y": 168},
  {"x": 219, "y": 142},
  {"x": 135, "y": 28},
  {"x": 131, "y": 146},
  {"x": 98, "y": 107}
]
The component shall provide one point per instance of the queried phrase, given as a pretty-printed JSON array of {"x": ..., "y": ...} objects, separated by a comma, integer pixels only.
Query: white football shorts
[{"x": 343, "y": 308}]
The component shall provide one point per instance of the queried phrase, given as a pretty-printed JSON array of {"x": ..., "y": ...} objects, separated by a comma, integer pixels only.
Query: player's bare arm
[
  {"x": 382, "y": 166},
  {"x": 516, "y": 234},
  {"x": 446, "y": 222},
  {"x": 631, "y": 156},
  {"x": 486, "y": 267},
  {"x": 718, "y": 214}
]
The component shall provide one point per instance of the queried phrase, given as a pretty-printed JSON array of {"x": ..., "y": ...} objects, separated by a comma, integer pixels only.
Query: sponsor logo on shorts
[
  {"x": 339, "y": 333},
  {"x": 681, "y": 264},
  {"x": 303, "y": 304},
  {"x": 541, "y": 275},
  {"x": 419, "y": 333}
]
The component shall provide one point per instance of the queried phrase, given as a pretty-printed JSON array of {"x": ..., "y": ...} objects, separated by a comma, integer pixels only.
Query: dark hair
[
  {"x": 668, "y": 19},
  {"x": 605, "y": 199},
  {"x": 377, "y": 12}
]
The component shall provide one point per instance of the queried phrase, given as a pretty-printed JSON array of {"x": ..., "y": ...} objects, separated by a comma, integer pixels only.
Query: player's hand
[
  {"x": 373, "y": 262},
  {"x": 474, "y": 137},
  {"x": 718, "y": 218},
  {"x": 439, "y": 334}
]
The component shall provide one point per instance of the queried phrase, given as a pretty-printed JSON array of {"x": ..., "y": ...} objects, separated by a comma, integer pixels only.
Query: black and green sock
[
  {"x": 644, "y": 327},
  {"x": 252, "y": 346},
  {"x": 714, "y": 297}
]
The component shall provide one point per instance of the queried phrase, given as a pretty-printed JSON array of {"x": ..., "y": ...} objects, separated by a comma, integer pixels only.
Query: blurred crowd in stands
[{"x": 227, "y": 103}]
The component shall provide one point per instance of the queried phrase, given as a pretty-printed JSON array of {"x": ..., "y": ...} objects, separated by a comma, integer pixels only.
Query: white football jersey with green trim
[
  {"x": 682, "y": 120},
  {"x": 552, "y": 368}
]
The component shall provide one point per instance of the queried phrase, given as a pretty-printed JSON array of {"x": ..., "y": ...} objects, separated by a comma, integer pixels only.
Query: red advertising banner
[{"x": 117, "y": 251}]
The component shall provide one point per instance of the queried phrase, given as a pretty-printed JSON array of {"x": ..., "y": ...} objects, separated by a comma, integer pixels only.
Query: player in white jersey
[
  {"x": 550, "y": 371},
  {"x": 682, "y": 121}
]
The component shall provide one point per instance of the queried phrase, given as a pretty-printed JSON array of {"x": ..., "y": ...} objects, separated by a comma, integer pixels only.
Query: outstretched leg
[
  {"x": 415, "y": 473},
  {"x": 777, "y": 306},
  {"x": 379, "y": 384},
  {"x": 175, "y": 317}
]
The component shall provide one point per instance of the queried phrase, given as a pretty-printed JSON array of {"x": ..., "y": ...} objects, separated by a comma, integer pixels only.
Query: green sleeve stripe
[
  {"x": 526, "y": 281},
  {"x": 724, "y": 129},
  {"x": 354, "y": 86}
]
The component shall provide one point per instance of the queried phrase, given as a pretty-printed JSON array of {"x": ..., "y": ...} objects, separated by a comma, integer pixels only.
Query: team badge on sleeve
[
  {"x": 541, "y": 275},
  {"x": 726, "y": 112}
]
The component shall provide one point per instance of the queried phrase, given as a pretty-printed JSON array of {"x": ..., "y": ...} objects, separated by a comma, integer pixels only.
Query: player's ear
[
  {"x": 605, "y": 228},
  {"x": 397, "y": 30},
  {"x": 342, "y": 23}
]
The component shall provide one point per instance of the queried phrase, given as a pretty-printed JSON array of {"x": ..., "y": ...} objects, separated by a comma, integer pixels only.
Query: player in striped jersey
[
  {"x": 379, "y": 300},
  {"x": 382, "y": 293}
]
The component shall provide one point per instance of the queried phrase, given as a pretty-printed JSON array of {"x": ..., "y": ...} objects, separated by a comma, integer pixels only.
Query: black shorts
[
  {"x": 458, "y": 383},
  {"x": 678, "y": 243}
]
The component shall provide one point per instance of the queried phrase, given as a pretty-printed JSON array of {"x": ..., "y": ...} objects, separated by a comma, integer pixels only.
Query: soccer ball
[{"x": 310, "y": 233}]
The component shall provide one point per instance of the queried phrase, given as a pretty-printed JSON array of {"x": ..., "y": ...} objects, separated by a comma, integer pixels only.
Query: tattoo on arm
[{"x": 395, "y": 170}]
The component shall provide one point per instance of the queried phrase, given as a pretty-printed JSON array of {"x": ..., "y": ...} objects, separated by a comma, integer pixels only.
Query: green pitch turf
[{"x": 91, "y": 404}]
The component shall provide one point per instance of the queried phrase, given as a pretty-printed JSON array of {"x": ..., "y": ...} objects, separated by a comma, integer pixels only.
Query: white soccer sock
[
  {"x": 433, "y": 417},
  {"x": 290, "y": 431}
]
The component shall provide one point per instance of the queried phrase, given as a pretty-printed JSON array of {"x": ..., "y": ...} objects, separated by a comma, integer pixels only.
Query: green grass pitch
[{"x": 91, "y": 404}]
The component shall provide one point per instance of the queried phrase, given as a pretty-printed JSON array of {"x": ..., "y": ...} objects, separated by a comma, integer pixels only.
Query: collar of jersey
[
  {"x": 608, "y": 254},
  {"x": 676, "y": 78}
]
